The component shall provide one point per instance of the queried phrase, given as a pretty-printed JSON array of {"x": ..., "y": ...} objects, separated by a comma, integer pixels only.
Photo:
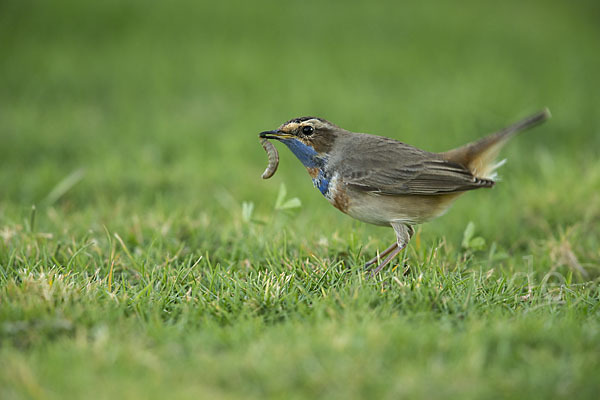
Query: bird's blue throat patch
[
  {"x": 309, "y": 157},
  {"x": 305, "y": 153}
]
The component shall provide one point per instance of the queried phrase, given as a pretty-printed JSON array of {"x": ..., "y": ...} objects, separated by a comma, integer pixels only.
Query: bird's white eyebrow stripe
[{"x": 314, "y": 122}]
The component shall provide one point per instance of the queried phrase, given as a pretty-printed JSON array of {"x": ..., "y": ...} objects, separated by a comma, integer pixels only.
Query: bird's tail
[{"x": 480, "y": 156}]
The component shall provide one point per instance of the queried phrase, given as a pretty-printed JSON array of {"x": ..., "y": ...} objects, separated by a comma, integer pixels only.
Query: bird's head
[{"x": 309, "y": 138}]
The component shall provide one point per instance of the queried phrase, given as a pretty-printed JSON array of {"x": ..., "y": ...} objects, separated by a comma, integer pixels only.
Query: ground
[{"x": 141, "y": 255}]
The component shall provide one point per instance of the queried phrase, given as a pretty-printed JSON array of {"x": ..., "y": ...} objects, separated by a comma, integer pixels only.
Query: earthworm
[{"x": 273, "y": 156}]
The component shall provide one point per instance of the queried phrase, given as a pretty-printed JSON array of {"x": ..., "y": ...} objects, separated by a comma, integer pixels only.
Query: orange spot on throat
[{"x": 313, "y": 172}]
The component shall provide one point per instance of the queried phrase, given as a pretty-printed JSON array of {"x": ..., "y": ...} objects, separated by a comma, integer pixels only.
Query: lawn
[{"x": 142, "y": 256}]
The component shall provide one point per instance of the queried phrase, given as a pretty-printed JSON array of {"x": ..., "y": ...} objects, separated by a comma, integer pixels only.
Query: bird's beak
[{"x": 276, "y": 134}]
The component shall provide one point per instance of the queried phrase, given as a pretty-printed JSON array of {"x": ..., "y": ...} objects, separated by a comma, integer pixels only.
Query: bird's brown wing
[{"x": 386, "y": 166}]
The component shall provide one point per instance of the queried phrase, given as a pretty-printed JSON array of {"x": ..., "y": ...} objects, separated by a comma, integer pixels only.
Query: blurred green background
[{"x": 139, "y": 119}]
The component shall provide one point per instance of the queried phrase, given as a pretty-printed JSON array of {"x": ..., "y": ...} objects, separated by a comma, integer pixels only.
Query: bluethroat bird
[{"x": 385, "y": 182}]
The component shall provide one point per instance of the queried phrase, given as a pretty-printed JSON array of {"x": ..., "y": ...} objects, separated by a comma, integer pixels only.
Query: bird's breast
[
  {"x": 321, "y": 179},
  {"x": 330, "y": 186}
]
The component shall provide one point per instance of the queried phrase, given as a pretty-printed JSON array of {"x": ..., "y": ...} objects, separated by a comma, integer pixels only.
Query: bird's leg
[
  {"x": 403, "y": 235},
  {"x": 387, "y": 260},
  {"x": 379, "y": 256}
]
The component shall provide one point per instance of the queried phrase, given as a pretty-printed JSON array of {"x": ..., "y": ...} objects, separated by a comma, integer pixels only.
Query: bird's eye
[{"x": 308, "y": 130}]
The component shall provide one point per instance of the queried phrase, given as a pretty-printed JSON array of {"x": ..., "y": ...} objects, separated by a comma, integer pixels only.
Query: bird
[{"x": 385, "y": 182}]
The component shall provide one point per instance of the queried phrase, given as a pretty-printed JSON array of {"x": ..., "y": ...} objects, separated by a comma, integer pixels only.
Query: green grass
[{"x": 157, "y": 264}]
